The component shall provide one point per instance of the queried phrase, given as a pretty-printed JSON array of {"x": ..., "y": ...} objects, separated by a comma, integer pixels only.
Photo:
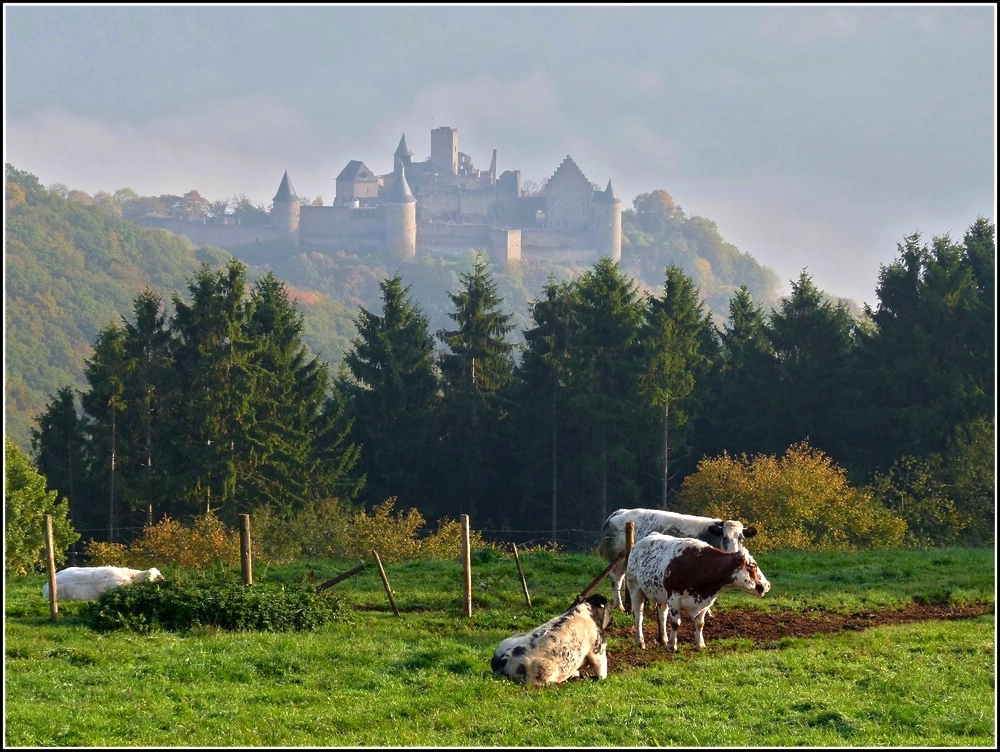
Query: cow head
[
  {"x": 749, "y": 577},
  {"x": 150, "y": 575},
  {"x": 732, "y": 534},
  {"x": 599, "y": 610}
]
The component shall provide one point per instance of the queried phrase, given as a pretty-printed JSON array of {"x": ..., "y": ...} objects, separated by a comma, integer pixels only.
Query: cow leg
[
  {"x": 699, "y": 626},
  {"x": 675, "y": 625},
  {"x": 599, "y": 661},
  {"x": 638, "y": 600},
  {"x": 617, "y": 577},
  {"x": 661, "y": 622}
]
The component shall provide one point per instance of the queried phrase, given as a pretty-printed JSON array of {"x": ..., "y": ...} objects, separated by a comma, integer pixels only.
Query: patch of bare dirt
[{"x": 765, "y": 629}]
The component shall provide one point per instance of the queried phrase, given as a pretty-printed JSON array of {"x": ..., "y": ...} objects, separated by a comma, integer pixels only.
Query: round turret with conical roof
[
  {"x": 401, "y": 218},
  {"x": 285, "y": 211},
  {"x": 608, "y": 222},
  {"x": 403, "y": 156}
]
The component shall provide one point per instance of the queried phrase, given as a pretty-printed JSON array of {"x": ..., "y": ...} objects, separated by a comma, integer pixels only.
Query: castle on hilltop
[{"x": 445, "y": 205}]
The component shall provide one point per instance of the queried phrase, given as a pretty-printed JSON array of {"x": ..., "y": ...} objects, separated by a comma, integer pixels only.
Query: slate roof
[
  {"x": 403, "y": 150},
  {"x": 400, "y": 193},
  {"x": 356, "y": 170},
  {"x": 285, "y": 191},
  {"x": 607, "y": 196}
]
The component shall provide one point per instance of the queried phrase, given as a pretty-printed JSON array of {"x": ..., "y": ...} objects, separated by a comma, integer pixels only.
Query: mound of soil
[{"x": 765, "y": 629}]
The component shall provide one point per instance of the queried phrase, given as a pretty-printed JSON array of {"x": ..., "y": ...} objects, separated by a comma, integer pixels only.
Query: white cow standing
[
  {"x": 727, "y": 535},
  {"x": 87, "y": 583},
  {"x": 686, "y": 575}
]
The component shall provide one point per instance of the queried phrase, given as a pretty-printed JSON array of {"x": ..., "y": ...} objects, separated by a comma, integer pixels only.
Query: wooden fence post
[
  {"x": 466, "y": 566},
  {"x": 50, "y": 563},
  {"x": 629, "y": 542},
  {"x": 385, "y": 582},
  {"x": 520, "y": 571},
  {"x": 246, "y": 568}
]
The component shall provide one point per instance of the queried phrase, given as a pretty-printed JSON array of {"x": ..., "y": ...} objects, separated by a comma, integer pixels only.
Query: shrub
[
  {"x": 800, "y": 501},
  {"x": 915, "y": 490},
  {"x": 395, "y": 536},
  {"x": 319, "y": 530},
  {"x": 175, "y": 605},
  {"x": 25, "y": 504},
  {"x": 203, "y": 545},
  {"x": 329, "y": 529}
]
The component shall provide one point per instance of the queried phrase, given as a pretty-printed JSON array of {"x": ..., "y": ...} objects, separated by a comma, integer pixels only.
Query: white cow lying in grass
[
  {"x": 87, "y": 583},
  {"x": 560, "y": 649}
]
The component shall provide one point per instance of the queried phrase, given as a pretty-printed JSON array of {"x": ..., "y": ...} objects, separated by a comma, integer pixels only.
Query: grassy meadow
[{"x": 423, "y": 678}]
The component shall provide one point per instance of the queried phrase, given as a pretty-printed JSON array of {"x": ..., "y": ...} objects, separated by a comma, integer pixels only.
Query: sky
[{"x": 816, "y": 137}]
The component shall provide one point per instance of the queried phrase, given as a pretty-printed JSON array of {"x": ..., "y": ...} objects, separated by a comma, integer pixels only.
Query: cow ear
[
  {"x": 715, "y": 528},
  {"x": 749, "y": 532}
]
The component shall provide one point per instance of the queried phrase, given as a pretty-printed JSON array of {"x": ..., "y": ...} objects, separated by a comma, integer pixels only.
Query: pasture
[{"x": 424, "y": 679}]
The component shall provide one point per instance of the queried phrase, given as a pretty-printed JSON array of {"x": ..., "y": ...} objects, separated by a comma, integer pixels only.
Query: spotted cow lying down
[{"x": 562, "y": 648}]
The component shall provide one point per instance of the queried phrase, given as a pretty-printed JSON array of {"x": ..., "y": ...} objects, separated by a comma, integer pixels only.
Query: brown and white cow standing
[
  {"x": 564, "y": 647},
  {"x": 686, "y": 575},
  {"x": 727, "y": 535}
]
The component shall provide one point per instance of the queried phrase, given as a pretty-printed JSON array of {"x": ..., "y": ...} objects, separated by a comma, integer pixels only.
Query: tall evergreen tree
[
  {"x": 149, "y": 381},
  {"x": 107, "y": 373},
  {"x": 477, "y": 370},
  {"x": 605, "y": 363},
  {"x": 290, "y": 393},
  {"x": 214, "y": 415},
  {"x": 931, "y": 357},
  {"x": 814, "y": 343},
  {"x": 59, "y": 442},
  {"x": 392, "y": 396},
  {"x": 674, "y": 336},
  {"x": 541, "y": 405},
  {"x": 737, "y": 396}
]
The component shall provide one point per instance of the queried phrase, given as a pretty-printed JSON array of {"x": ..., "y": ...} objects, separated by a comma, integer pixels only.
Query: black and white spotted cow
[
  {"x": 727, "y": 535},
  {"x": 686, "y": 575},
  {"x": 562, "y": 648}
]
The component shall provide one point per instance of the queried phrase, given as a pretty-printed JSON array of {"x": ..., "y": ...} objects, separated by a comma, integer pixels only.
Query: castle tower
[
  {"x": 608, "y": 223},
  {"x": 444, "y": 150},
  {"x": 401, "y": 219},
  {"x": 285, "y": 210},
  {"x": 403, "y": 155}
]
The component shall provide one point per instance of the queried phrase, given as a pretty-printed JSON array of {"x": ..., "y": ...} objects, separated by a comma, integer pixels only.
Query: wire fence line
[{"x": 570, "y": 539}]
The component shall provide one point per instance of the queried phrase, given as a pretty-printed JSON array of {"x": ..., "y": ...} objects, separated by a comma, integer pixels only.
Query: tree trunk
[
  {"x": 111, "y": 504},
  {"x": 604, "y": 479},
  {"x": 555, "y": 473},
  {"x": 666, "y": 447}
]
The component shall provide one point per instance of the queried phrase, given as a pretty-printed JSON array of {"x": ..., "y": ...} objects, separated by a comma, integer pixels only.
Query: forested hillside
[{"x": 72, "y": 268}]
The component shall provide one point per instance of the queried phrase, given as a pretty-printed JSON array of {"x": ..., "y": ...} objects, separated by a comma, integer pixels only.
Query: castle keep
[{"x": 445, "y": 205}]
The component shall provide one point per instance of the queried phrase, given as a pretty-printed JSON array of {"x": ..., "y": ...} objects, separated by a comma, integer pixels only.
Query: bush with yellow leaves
[
  {"x": 201, "y": 546},
  {"x": 799, "y": 501}
]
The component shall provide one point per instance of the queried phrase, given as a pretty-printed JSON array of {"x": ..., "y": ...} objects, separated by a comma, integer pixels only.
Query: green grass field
[{"x": 424, "y": 679}]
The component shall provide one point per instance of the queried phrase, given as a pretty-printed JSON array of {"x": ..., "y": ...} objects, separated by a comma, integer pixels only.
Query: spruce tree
[
  {"x": 676, "y": 335},
  {"x": 392, "y": 396},
  {"x": 603, "y": 379},
  {"x": 477, "y": 371}
]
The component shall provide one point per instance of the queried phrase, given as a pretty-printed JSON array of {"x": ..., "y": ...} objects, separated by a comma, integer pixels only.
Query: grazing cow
[
  {"x": 686, "y": 575},
  {"x": 562, "y": 648},
  {"x": 87, "y": 583},
  {"x": 728, "y": 536}
]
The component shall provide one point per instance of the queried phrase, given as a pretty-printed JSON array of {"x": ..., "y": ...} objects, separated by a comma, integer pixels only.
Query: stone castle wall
[{"x": 219, "y": 236}]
